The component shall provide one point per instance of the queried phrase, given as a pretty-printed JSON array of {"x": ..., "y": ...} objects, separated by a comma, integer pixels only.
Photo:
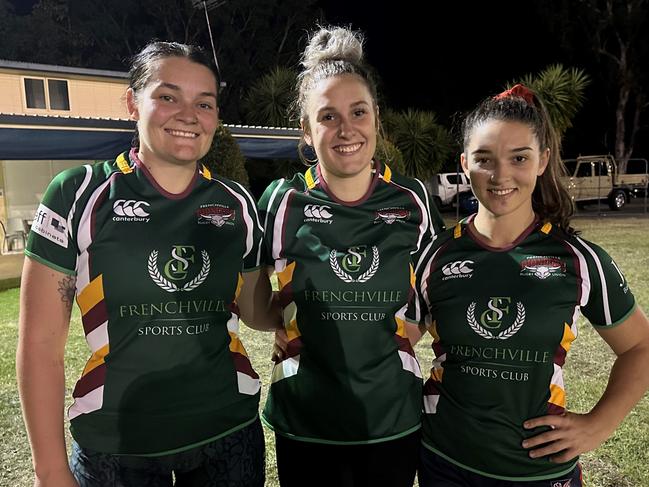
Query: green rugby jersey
[
  {"x": 503, "y": 321},
  {"x": 157, "y": 279},
  {"x": 345, "y": 272}
]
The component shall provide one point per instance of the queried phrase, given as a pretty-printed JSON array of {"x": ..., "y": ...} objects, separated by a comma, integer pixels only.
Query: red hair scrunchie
[{"x": 517, "y": 90}]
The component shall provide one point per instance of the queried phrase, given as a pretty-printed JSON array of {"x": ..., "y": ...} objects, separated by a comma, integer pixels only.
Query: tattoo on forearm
[{"x": 67, "y": 287}]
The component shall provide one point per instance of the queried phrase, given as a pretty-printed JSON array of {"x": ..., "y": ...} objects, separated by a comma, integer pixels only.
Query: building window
[
  {"x": 35, "y": 93},
  {"x": 58, "y": 94},
  {"x": 54, "y": 95}
]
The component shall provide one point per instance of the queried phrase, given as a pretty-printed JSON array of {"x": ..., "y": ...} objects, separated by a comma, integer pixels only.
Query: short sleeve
[
  {"x": 267, "y": 206},
  {"x": 609, "y": 301},
  {"x": 51, "y": 239},
  {"x": 253, "y": 257}
]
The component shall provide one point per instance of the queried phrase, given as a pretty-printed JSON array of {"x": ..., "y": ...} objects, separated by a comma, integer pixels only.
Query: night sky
[{"x": 417, "y": 50}]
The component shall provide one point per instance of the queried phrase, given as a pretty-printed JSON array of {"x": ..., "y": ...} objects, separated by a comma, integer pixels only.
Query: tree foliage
[
  {"x": 225, "y": 158},
  {"x": 269, "y": 99},
  {"x": 424, "y": 143},
  {"x": 388, "y": 153},
  {"x": 612, "y": 36},
  {"x": 562, "y": 91}
]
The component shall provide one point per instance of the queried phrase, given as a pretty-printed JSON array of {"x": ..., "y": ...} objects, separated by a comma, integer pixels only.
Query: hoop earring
[{"x": 310, "y": 161}]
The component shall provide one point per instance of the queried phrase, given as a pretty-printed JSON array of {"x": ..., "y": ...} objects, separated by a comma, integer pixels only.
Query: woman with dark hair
[
  {"x": 502, "y": 292},
  {"x": 162, "y": 257}
]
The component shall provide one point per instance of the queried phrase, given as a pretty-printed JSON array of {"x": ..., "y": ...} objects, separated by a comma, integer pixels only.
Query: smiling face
[
  {"x": 176, "y": 112},
  {"x": 503, "y": 160},
  {"x": 341, "y": 126}
]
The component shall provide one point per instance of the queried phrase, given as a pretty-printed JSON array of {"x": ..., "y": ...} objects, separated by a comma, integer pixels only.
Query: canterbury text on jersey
[{"x": 157, "y": 275}]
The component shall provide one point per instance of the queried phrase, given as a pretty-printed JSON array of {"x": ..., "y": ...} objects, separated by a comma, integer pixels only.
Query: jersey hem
[
  {"x": 49, "y": 264},
  {"x": 621, "y": 320},
  {"x": 549, "y": 476},
  {"x": 193, "y": 445},
  {"x": 335, "y": 442}
]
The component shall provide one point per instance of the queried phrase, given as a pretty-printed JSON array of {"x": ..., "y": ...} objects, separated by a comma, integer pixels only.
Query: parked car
[
  {"x": 444, "y": 187},
  {"x": 467, "y": 202},
  {"x": 594, "y": 178}
]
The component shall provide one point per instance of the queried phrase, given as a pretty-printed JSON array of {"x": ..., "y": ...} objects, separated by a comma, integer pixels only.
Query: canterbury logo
[
  {"x": 130, "y": 208},
  {"x": 458, "y": 267},
  {"x": 318, "y": 211}
]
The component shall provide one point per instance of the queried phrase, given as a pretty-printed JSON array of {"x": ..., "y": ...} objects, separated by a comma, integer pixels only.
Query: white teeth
[
  {"x": 501, "y": 192},
  {"x": 181, "y": 133},
  {"x": 347, "y": 148}
]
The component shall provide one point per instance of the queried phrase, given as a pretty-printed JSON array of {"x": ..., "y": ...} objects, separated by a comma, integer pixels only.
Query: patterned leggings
[{"x": 236, "y": 460}]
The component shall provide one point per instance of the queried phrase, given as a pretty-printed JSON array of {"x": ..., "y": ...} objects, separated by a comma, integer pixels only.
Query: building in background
[{"x": 56, "y": 117}]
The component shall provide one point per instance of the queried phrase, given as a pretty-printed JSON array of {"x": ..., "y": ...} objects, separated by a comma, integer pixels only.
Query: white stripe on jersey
[
  {"x": 430, "y": 403},
  {"x": 87, "y": 404},
  {"x": 583, "y": 274},
  {"x": 246, "y": 218},
  {"x": 253, "y": 205},
  {"x": 409, "y": 363},
  {"x": 248, "y": 385},
  {"x": 430, "y": 218},
  {"x": 270, "y": 202},
  {"x": 80, "y": 190},
  {"x": 84, "y": 236},
  {"x": 424, "y": 279},
  {"x": 425, "y": 224},
  {"x": 279, "y": 223},
  {"x": 602, "y": 278},
  {"x": 286, "y": 368},
  {"x": 98, "y": 337}
]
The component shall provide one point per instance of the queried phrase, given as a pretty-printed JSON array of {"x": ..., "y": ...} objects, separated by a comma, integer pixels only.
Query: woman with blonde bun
[{"x": 344, "y": 238}]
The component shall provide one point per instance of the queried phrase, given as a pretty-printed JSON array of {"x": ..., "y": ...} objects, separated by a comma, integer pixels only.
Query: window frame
[{"x": 48, "y": 101}]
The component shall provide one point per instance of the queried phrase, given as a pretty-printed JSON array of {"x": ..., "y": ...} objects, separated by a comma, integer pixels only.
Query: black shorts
[
  {"x": 235, "y": 460},
  {"x": 386, "y": 464},
  {"x": 435, "y": 471}
]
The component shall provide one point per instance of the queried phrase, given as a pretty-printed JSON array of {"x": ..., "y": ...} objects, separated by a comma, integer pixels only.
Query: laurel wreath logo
[
  {"x": 170, "y": 287},
  {"x": 503, "y": 335},
  {"x": 365, "y": 276}
]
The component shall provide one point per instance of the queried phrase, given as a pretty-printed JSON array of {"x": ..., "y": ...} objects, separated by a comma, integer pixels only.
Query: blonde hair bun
[{"x": 333, "y": 43}]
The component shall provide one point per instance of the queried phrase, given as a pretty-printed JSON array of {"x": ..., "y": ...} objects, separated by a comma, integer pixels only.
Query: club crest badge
[{"x": 216, "y": 215}]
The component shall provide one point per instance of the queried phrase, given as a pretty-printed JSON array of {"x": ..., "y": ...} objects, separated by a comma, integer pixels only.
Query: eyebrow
[
  {"x": 353, "y": 105},
  {"x": 487, "y": 151},
  {"x": 174, "y": 87}
]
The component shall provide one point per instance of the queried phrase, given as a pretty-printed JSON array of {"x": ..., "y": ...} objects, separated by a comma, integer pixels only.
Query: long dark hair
[{"x": 550, "y": 199}]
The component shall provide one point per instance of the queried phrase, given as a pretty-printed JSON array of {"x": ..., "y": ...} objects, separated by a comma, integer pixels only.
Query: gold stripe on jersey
[
  {"x": 387, "y": 174},
  {"x": 457, "y": 231},
  {"x": 123, "y": 165},
  {"x": 205, "y": 172},
  {"x": 557, "y": 396},
  {"x": 92, "y": 294},
  {"x": 95, "y": 360},
  {"x": 239, "y": 286},
  {"x": 546, "y": 228},
  {"x": 568, "y": 337},
  {"x": 286, "y": 276},
  {"x": 308, "y": 177},
  {"x": 236, "y": 345},
  {"x": 401, "y": 327}
]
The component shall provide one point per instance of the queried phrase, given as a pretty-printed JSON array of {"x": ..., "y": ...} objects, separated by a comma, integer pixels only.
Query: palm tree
[
  {"x": 423, "y": 142},
  {"x": 562, "y": 91},
  {"x": 269, "y": 100}
]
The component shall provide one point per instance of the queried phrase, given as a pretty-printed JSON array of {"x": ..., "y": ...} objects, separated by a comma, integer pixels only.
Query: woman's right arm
[{"x": 46, "y": 298}]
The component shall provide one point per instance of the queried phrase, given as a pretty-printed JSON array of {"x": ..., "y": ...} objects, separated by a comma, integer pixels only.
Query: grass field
[{"x": 621, "y": 462}]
